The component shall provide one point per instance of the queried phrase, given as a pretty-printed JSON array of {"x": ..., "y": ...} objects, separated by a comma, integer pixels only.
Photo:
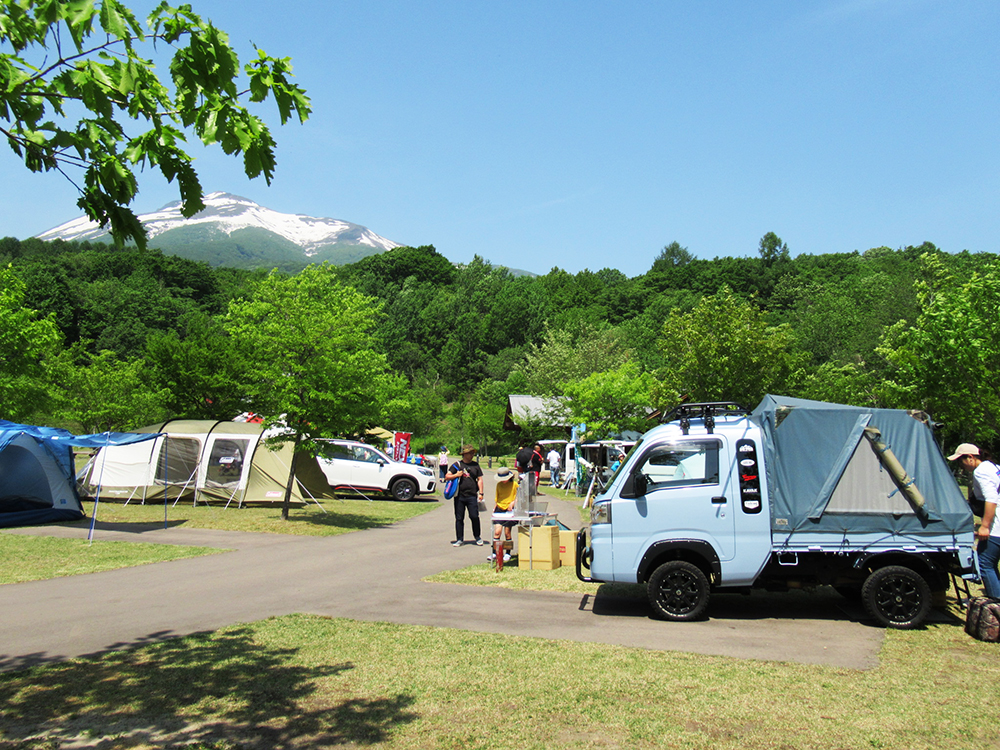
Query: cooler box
[
  {"x": 544, "y": 553},
  {"x": 567, "y": 547}
]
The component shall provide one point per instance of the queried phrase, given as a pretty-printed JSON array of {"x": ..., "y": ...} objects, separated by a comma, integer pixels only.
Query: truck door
[{"x": 689, "y": 495}]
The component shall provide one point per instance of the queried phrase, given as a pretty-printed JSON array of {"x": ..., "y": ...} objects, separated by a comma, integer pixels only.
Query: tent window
[
  {"x": 178, "y": 461},
  {"x": 225, "y": 464}
]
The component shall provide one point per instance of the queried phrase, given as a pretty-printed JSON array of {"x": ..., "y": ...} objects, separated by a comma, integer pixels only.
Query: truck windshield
[
  {"x": 619, "y": 465},
  {"x": 681, "y": 464}
]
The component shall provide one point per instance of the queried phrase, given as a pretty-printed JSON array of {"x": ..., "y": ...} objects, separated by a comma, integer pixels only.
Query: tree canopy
[
  {"x": 305, "y": 360},
  {"x": 882, "y": 327},
  {"x": 28, "y": 344},
  {"x": 947, "y": 362},
  {"x": 80, "y": 94}
]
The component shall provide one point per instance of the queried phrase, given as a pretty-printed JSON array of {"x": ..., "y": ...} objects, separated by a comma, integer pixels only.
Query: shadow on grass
[
  {"x": 224, "y": 689},
  {"x": 352, "y": 521},
  {"x": 823, "y": 603}
]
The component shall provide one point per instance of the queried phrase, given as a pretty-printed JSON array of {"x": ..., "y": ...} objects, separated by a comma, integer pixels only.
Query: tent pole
[
  {"x": 301, "y": 485},
  {"x": 183, "y": 488},
  {"x": 231, "y": 498},
  {"x": 97, "y": 500},
  {"x": 166, "y": 476},
  {"x": 360, "y": 493},
  {"x": 309, "y": 494}
]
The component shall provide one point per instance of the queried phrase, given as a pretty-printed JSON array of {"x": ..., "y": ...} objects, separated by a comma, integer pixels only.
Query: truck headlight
[
  {"x": 600, "y": 513},
  {"x": 425, "y": 472}
]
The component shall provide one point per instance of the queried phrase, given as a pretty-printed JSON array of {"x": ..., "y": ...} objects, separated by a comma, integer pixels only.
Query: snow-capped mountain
[{"x": 234, "y": 226}]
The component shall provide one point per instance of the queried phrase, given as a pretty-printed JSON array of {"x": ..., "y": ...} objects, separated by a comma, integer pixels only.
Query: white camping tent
[{"x": 202, "y": 460}]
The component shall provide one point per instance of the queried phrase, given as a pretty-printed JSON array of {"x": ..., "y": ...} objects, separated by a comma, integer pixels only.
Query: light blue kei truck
[{"x": 793, "y": 494}]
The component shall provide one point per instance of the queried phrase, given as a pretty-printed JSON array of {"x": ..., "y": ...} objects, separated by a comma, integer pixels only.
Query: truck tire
[
  {"x": 897, "y": 597},
  {"x": 678, "y": 590}
]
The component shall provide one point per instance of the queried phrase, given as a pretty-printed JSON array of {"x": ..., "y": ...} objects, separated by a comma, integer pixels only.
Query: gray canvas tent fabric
[{"x": 825, "y": 475}]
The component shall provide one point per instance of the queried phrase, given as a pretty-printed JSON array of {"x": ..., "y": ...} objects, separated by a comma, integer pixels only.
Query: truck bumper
[{"x": 583, "y": 556}]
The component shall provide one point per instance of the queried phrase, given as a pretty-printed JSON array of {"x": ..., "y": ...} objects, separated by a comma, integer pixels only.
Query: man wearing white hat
[
  {"x": 986, "y": 489},
  {"x": 469, "y": 495}
]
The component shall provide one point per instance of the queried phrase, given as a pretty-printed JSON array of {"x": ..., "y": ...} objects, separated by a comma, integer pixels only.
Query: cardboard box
[
  {"x": 544, "y": 553},
  {"x": 567, "y": 547}
]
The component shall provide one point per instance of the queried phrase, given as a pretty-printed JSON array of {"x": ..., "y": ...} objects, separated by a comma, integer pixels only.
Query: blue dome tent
[{"x": 37, "y": 476}]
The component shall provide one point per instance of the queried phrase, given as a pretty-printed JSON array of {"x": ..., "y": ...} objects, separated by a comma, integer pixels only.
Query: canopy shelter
[
  {"x": 37, "y": 476},
  {"x": 833, "y": 468},
  {"x": 203, "y": 460},
  {"x": 536, "y": 411}
]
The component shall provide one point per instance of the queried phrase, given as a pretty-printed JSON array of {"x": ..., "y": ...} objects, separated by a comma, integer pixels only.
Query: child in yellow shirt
[{"x": 506, "y": 495}]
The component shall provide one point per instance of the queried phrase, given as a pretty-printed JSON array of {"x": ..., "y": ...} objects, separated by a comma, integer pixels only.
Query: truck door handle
[{"x": 721, "y": 500}]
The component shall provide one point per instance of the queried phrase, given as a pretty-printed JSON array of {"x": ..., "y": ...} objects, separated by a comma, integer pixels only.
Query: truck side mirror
[{"x": 639, "y": 484}]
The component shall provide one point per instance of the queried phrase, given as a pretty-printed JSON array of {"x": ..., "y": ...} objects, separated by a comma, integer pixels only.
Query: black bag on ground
[{"x": 982, "y": 621}]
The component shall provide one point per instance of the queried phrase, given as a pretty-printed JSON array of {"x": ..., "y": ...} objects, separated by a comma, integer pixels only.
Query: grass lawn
[
  {"x": 512, "y": 577},
  {"x": 336, "y": 517},
  {"x": 34, "y": 558},
  {"x": 307, "y": 681}
]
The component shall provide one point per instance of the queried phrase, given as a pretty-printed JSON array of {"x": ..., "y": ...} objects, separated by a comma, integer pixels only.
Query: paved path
[{"x": 376, "y": 575}]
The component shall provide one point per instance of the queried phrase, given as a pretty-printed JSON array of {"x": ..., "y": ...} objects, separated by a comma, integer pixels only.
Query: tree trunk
[{"x": 291, "y": 477}]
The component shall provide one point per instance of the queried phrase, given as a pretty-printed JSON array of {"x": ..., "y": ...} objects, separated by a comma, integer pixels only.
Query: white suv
[{"x": 351, "y": 465}]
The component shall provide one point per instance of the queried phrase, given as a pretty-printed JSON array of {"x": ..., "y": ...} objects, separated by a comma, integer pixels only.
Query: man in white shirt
[
  {"x": 986, "y": 489},
  {"x": 555, "y": 464}
]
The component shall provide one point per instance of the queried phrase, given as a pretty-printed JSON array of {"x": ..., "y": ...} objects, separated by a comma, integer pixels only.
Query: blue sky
[{"x": 590, "y": 134}]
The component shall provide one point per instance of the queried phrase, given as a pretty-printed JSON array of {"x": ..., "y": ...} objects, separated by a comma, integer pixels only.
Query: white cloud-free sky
[{"x": 586, "y": 134}]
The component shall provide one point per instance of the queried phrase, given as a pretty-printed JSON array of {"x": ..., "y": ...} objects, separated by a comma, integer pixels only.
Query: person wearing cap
[
  {"x": 470, "y": 492},
  {"x": 506, "y": 495},
  {"x": 985, "y": 489}
]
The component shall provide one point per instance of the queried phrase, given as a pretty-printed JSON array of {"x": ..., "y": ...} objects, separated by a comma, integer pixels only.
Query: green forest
[{"x": 97, "y": 338}]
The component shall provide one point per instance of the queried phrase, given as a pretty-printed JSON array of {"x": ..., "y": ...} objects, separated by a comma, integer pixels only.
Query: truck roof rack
[{"x": 706, "y": 411}]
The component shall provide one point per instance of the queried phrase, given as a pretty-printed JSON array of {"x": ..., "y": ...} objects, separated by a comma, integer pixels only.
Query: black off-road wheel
[
  {"x": 678, "y": 591},
  {"x": 897, "y": 597},
  {"x": 403, "y": 489}
]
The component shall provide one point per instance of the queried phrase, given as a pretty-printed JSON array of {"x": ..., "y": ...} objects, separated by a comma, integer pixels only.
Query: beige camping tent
[{"x": 202, "y": 461}]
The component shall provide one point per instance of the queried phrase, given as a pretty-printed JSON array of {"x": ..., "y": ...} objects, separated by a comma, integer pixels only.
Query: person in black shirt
[
  {"x": 470, "y": 492},
  {"x": 522, "y": 461}
]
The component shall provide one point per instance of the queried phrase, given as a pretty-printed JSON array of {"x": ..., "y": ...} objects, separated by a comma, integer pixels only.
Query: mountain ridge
[{"x": 235, "y": 231}]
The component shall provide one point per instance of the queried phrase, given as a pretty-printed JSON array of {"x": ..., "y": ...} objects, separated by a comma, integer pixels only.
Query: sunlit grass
[
  {"x": 335, "y": 516},
  {"x": 307, "y": 681},
  {"x": 34, "y": 558},
  {"x": 522, "y": 579}
]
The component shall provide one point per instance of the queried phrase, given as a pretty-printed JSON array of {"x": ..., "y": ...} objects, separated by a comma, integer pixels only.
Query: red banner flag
[{"x": 400, "y": 446}]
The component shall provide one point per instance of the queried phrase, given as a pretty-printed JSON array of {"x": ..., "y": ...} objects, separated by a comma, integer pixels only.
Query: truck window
[{"x": 681, "y": 464}]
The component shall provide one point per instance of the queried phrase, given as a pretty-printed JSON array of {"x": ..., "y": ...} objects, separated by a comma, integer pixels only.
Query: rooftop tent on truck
[{"x": 830, "y": 468}]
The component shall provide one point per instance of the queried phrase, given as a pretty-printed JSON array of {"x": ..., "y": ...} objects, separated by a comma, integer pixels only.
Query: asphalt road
[{"x": 376, "y": 575}]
